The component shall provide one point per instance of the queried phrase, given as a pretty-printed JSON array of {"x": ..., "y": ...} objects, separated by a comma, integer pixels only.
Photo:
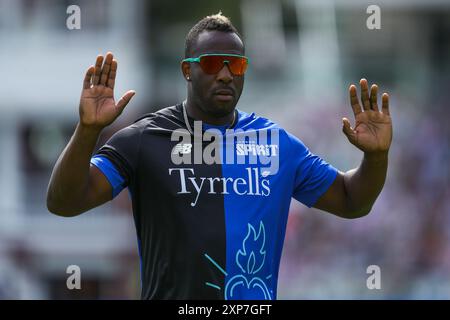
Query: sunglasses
[{"x": 212, "y": 63}]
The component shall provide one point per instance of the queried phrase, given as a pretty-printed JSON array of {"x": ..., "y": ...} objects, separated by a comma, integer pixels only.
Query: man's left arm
[{"x": 354, "y": 192}]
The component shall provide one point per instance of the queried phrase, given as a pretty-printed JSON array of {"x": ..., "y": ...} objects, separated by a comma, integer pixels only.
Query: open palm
[
  {"x": 98, "y": 108},
  {"x": 372, "y": 132}
]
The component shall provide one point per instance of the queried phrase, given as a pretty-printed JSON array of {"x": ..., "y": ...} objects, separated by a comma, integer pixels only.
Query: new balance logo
[{"x": 182, "y": 148}]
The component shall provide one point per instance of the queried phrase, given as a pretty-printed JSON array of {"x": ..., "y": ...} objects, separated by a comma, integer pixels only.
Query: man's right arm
[{"x": 75, "y": 185}]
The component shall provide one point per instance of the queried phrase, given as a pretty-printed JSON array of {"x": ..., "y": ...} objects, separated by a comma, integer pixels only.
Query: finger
[
  {"x": 106, "y": 68},
  {"x": 385, "y": 103},
  {"x": 98, "y": 69},
  {"x": 125, "y": 99},
  {"x": 88, "y": 77},
  {"x": 112, "y": 74},
  {"x": 354, "y": 100},
  {"x": 347, "y": 129},
  {"x": 364, "y": 94},
  {"x": 373, "y": 97}
]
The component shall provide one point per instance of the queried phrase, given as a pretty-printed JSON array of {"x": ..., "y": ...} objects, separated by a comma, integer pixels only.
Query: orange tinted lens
[
  {"x": 237, "y": 65},
  {"x": 213, "y": 64}
]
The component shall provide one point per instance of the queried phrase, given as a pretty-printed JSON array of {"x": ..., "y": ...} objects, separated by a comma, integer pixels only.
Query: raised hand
[
  {"x": 98, "y": 108},
  {"x": 372, "y": 132}
]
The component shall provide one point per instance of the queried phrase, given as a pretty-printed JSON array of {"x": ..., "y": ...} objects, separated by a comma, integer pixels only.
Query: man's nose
[{"x": 225, "y": 74}]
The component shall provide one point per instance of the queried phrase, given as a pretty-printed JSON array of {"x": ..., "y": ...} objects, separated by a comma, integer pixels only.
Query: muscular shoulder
[
  {"x": 249, "y": 122},
  {"x": 164, "y": 119},
  {"x": 169, "y": 118}
]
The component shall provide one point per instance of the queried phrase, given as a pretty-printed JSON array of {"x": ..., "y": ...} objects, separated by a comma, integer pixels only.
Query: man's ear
[{"x": 186, "y": 69}]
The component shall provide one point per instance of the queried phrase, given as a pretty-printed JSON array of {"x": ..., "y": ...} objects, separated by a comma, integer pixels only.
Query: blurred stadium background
[{"x": 304, "y": 55}]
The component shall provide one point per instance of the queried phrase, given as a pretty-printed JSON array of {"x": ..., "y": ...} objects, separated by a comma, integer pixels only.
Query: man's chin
[{"x": 222, "y": 109}]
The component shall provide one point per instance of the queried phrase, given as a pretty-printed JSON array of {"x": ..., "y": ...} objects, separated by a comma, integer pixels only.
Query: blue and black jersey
[{"x": 211, "y": 230}]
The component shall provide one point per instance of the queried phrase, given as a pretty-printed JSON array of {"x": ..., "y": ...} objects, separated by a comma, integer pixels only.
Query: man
[{"x": 211, "y": 230}]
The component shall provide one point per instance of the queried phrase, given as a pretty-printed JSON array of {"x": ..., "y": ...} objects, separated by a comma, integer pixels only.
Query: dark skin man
[{"x": 76, "y": 186}]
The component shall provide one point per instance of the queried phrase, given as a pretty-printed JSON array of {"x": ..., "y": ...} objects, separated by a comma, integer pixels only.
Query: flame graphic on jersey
[{"x": 250, "y": 260}]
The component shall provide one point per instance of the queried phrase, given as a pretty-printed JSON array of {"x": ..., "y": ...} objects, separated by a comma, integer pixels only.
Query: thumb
[
  {"x": 122, "y": 103},
  {"x": 347, "y": 129}
]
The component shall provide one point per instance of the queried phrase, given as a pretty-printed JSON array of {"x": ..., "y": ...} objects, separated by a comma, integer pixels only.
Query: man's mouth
[{"x": 224, "y": 94}]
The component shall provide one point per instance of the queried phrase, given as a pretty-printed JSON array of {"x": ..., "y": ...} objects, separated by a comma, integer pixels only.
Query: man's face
[{"x": 205, "y": 88}]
